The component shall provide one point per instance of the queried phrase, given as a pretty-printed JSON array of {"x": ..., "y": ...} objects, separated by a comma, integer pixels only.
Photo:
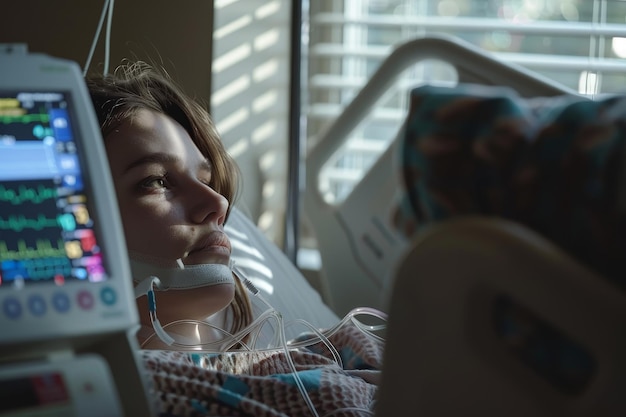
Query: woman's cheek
[
  {"x": 142, "y": 233},
  {"x": 153, "y": 228}
]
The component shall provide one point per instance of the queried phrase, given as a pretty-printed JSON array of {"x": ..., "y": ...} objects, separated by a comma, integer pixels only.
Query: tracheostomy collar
[
  {"x": 180, "y": 277},
  {"x": 147, "y": 275}
]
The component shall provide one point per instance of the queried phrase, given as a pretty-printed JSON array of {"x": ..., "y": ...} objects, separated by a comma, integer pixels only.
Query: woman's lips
[{"x": 215, "y": 248}]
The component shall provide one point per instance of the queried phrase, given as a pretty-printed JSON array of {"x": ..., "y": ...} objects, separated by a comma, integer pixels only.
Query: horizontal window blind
[{"x": 578, "y": 43}]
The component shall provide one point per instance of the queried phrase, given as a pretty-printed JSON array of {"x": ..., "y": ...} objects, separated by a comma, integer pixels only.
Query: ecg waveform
[
  {"x": 24, "y": 194},
  {"x": 25, "y": 118},
  {"x": 38, "y": 262},
  {"x": 20, "y": 223},
  {"x": 42, "y": 249}
]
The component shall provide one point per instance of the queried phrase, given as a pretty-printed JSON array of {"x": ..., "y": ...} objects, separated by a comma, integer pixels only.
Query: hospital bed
[
  {"x": 357, "y": 244},
  {"x": 487, "y": 317}
]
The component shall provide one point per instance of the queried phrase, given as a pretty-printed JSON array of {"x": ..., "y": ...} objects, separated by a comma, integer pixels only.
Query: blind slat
[{"x": 473, "y": 24}]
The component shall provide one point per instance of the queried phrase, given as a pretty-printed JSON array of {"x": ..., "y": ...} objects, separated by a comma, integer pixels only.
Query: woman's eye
[{"x": 155, "y": 182}]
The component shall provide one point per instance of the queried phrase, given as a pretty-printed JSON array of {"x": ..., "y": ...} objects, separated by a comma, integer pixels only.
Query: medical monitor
[{"x": 63, "y": 268}]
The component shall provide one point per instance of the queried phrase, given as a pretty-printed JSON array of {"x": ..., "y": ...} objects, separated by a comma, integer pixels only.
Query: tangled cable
[{"x": 237, "y": 342}]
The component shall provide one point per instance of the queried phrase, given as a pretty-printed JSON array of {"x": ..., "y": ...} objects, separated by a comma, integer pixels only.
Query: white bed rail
[{"x": 357, "y": 246}]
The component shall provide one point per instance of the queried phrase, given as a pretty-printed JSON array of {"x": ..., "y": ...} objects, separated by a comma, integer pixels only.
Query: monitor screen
[{"x": 47, "y": 232}]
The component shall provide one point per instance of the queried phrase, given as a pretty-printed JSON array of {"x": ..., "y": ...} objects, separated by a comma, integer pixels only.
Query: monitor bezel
[{"x": 38, "y": 72}]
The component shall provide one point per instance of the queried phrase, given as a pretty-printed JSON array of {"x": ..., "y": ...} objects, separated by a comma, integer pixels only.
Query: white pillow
[{"x": 276, "y": 277}]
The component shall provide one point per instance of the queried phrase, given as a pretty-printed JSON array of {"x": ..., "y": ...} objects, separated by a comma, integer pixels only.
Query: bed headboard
[{"x": 357, "y": 244}]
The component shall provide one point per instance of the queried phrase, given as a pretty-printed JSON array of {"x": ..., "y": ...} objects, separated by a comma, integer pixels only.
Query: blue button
[
  {"x": 108, "y": 296},
  {"x": 12, "y": 308},
  {"x": 61, "y": 302},
  {"x": 37, "y": 305}
]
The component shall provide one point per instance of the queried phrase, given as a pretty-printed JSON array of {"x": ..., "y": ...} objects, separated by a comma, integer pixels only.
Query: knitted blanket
[{"x": 262, "y": 383}]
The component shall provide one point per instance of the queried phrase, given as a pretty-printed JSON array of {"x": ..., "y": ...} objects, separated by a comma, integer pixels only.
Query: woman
[
  {"x": 175, "y": 184},
  {"x": 169, "y": 168}
]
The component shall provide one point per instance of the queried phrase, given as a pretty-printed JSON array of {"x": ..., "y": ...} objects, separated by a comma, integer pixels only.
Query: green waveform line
[
  {"x": 19, "y": 223},
  {"x": 43, "y": 248},
  {"x": 22, "y": 194},
  {"x": 25, "y": 118}
]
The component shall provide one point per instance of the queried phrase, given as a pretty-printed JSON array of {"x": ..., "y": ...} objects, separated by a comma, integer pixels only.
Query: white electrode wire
[
  {"x": 255, "y": 292},
  {"x": 369, "y": 329},
  {"x": 94, "y": 42},
  {"x": 237, "y": 338},
  {"x": 159, "y": 330},
  {"x": 351, "y": 317},
  {"x": 323, "y": 339},
  {"x": 156, "y": 324},
  {"x": 107, "y": 38},
  {"x": 225, "y": 344},
  {"x": 231, "y": 340},
  {"x": 273, "y": 343},
  {"x": 283, "y": 341},
  {"x": 228, "y": 336},
  {"x": 253, "y": 329},
  {"x": 292, "y": 366},
  {"x": 219, "y": 345},
  {"x": 322, "y": 336},
  {"x": 107, "y": 10},
  {"x": 234, "y": 339}
]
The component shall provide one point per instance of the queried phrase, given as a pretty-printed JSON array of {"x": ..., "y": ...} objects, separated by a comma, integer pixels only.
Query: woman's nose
[{"x": 209, "y": 205}]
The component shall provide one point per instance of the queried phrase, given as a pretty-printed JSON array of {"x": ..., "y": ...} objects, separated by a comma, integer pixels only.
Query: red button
[{"x": 85, "y": 300}]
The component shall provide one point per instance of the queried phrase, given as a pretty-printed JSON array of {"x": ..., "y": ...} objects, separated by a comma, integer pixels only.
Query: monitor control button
[
  {"x": 85, "y": 300},
  {"x": 108, "y": 296},
  {"x": 37, "y": 305},
  {"x": 12, "y": 308},
  {"x": 61, "y": 302}
]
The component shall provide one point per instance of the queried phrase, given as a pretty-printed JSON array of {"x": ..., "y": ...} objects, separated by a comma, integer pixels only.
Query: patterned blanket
[
  {"x": 554, "y": 165},
  {"x": 261, "y": 383}
]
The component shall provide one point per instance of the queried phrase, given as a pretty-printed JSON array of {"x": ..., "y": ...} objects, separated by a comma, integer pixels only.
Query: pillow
[
  {"x": 554, "y": 165},
  {"x": 278, "y": 280}
]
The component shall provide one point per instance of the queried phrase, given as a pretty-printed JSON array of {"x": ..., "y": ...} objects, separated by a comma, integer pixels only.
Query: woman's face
[{"x": 168, "y": 210}]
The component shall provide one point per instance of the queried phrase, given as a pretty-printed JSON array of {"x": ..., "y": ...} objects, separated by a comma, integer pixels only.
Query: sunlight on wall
[
  {"x": 238, "y": 86},
  {"x": 249, "y": 102},
  {"x": 231, "y": 58}
]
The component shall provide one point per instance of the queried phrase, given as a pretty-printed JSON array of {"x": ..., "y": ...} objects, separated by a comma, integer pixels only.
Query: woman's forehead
[{"x": 150, "y": 132}]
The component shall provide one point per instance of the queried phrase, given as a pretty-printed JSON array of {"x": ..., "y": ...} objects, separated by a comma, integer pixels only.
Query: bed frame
[
  {"x": 560, "y": 352},
  {"x": 358, "y": 246}
]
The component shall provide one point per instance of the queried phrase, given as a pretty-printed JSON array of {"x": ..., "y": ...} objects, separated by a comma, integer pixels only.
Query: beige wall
[{"x": 178, "y": 33}]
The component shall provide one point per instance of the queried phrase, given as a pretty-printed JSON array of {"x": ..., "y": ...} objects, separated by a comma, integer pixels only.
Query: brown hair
[{"x": 134, "y": 86}]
